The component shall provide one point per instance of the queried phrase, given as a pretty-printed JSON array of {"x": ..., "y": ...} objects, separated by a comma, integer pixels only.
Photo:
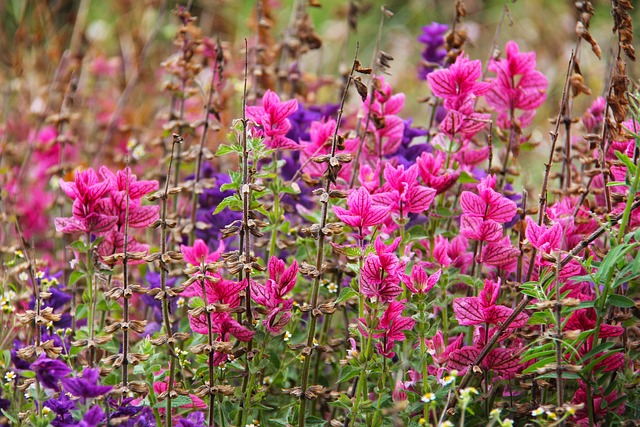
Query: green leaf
[
  {"x": 226, "y": 149},
  {"x": 79, "y": 246},
  {"x": 75, "y": 276},
  {"x": 345, "y": 294},
  {"x": 536, "y": 354},
  {"x": 314, "y": 421},
  {"x": 465, "y": 178},
  {"x": 600, "y": 348},
  {"x": 540, "y": 364},
  {"x": 565, "y": 375},
  {"x": 348, "y": 372},
  {"x": 10, "y": 417},
  {"x": 223, "y": 204},
  {"x": 175, "y": 403},
  {"x": 620, "y": 301}
]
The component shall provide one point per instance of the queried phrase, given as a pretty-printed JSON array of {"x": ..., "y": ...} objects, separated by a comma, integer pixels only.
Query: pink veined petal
[
  {"x": 497, "y": 314},
  {"x": 489, "y": 294},
  {"x": 359, "y": 201},
  {"x": 255, "y": 114},
  {"x": 345, "y": 216},
  {"x": 462, "y": 358},
  {"x": 420, "y": 199},
  {"x": 69, "y": 188},
  {"x": 99, "y": 224},
  {"x": 503, "y": 360},
  {"x": 375, "y": 216},
  {"x": 394, "y": 104},
  {"x": 500, "y": 208},
  {"x": 199, "y": 324},
  {"x": 498, "y": 254},
  {"x": 442, "y": 84},
  {"x": 472, "y": 204},
  {"x": 143, "y": 216},
  {"x": 69, "y": 225},
  {"x": 613, "y": 362},
  {"x": 259, "y": 294},
  {"x": 476, "y": 228},
  {"x": 468, "y": 311}
]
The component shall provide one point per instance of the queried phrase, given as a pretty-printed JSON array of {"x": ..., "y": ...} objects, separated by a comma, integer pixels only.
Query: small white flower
[
  {"x": 180, "y": 302},
  {"x": 287, "y": 336},
  {"x": 446, "y": 424},
  {"x": 10, "y": 376},
  {"x": 537, "y": 412},
  {"x": 507, "y": 423},
  {"x": 466, "y": 393},
  {"x": 428, "y": 397},
  {"x": 19, "y": 254},
  {"x": 39, "y": 274},
  {"x": 332, "y": 288},
  {"x": 495, "y": 413},
  {"x": 267, "y": 380},
  {"x": 8, "y": 309},
  {"x": 138, "y": 152},
  {"x": 23, "y": 276},
  {"x": 448, "y": 379},
  {"x": 46, "y": 411},
  {"x": 551, "y": 415}
]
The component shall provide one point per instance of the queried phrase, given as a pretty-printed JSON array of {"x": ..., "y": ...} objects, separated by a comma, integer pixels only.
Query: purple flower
[
  {"x": 93, "y": 417},
  {"x": 49, "y": 371},
  {"x": 86, "y": 386},
  {"x": 62, "y": 407},
  {"x": 434, "y": 52},
  {"x": 194, "y": 419}
]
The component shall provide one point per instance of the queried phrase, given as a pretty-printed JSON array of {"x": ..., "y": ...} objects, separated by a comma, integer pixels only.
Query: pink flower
[
  {"x": 271, "y": 117},
  {"x": 402, "y": 192},
  {"x": 320, "y": 135},
  {"x": 86, "y": 191},
  {"x": 432, "y": 172},
  {"x": 420, "y": 282},
  {"x": 458, "y": 82},
  {"x": 392, "y": 324},
  {"x": 361, "y": 213},
  {"x": 483, "y": 309},
  {"x": 518, "y": 84},
  {"x": 199, "y": 253},
  {"x": 488, "y": 204},
  {"x": 542, "y": 238},
  {"x": 463, "y": 121},
  {"x": 380, "y": 276},
  {"x": 281, "y": 281},
  {"x": 224, "y": 327}
]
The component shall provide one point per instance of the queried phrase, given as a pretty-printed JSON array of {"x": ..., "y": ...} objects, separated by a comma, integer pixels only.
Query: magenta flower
[
  {"x": 419, "y": 282},
  {"x": 271, "y": 117},
  {"x": 281, "y": 281},
  {"x": 86, "y": 191},
  {"x": 362, "y": 213},
  {"x": 518, "y": 85},
  {"x": 463, "y": 121},
  {"x": 224, "y": 327},
  {"x": 320, "y": 135},
  {"x": 381, "y": 271},
  {"x": 542, "y": 238},
  {"x": 458, "y": 82},
  {"x": 392, "y": 324},
  {"x": 199, "y": 253},
  {"x": 432, "y": 172},
  {"x": 402, "y": 192},
  {"x": 483, "y": 309},
  {"x": 488, "y": 204}
]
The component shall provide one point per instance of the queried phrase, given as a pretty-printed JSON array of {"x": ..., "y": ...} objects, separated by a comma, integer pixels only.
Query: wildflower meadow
[{"x": 319, "y": 213}]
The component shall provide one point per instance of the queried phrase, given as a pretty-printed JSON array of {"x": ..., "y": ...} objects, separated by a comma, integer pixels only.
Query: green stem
[{"x": 627, "y": 209}]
